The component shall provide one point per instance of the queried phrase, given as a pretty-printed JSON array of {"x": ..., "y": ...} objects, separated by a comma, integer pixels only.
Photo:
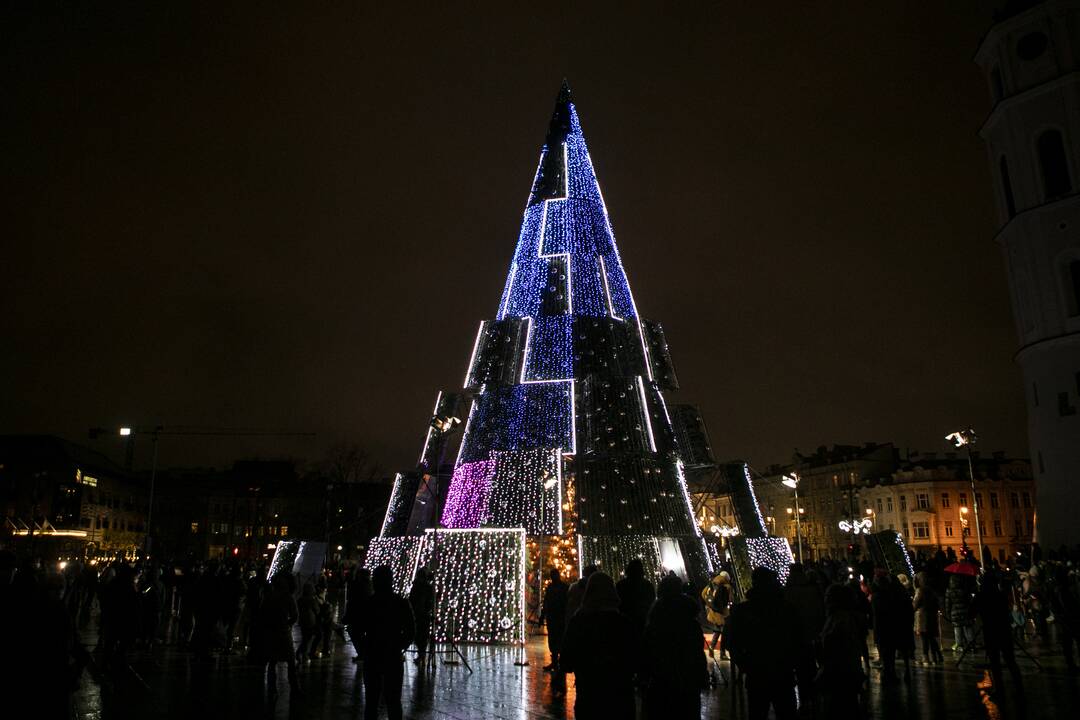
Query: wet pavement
[{"x": 171, "y": 684}]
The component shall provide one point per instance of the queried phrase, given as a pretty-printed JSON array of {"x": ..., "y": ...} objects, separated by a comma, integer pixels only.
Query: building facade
[
  {"x": 930, "y": 502},
  {"x": 1030, "y": 58},
  {"x": 60, "y": 499},
  {"x": 830, "y": 483},
  {"x": 242, "y": 512},
  {"x": 926, "y": 498}
]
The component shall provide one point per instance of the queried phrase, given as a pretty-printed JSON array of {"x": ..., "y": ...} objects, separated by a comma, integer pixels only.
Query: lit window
[
  {"x": 284, "y": 530},
  {"x": 194, "y": 528}
]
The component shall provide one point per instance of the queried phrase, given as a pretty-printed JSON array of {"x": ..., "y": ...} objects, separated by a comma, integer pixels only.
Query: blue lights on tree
[{"x": 568, "y": 435}]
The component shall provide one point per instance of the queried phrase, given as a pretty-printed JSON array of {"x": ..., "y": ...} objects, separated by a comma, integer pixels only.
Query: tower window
[
  {"x": 1054, "y": 164},
  {"x": 1072, "y": 285},
  {"x": 997, "y": 87},
  {"x": 1006, "y": 187},
  {"x": 1064, "y": 406},
  {"x": 1032, "y": 46}
]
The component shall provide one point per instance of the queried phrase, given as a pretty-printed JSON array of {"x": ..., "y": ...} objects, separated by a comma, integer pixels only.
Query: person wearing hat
[{"x": 717, "y": 597}]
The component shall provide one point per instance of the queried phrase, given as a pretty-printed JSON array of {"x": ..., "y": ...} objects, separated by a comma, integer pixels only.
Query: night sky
[{"x": 295, "y": 218}]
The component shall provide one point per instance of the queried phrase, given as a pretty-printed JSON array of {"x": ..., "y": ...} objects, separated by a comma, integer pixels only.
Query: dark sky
[{"x": 268, "y": 217}]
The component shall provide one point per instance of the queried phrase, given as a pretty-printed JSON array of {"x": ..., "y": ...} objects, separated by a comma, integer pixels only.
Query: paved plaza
[{"x": 173, "y": 684}]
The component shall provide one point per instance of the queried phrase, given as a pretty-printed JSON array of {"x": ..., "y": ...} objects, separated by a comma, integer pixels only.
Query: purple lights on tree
[{"x": 467, "y": 499}]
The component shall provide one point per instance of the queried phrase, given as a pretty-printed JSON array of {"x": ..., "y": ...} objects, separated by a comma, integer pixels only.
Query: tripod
[{"x": 970, "y": 645}]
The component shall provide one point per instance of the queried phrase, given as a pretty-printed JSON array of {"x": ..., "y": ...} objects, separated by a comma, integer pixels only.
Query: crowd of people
[
  {"x": 628, "y": 641},
  {"x": 803, "y": 644}
]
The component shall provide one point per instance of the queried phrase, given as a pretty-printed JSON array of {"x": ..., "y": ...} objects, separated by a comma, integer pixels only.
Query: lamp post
[
  {"x": 127, "y": 432},
  {"x": 792, "y": 481},
  {"x": 965, "y": 439}
]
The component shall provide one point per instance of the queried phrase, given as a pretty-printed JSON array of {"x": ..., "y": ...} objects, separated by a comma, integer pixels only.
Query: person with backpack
[{"x": 717, "y": 597}]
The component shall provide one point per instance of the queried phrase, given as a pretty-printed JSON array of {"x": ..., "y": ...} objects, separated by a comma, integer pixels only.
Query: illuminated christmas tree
[{"x": 567, "y": 433}]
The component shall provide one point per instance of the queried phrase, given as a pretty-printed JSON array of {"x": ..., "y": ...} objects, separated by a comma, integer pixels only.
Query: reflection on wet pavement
[{"x": 173, "y": 684}]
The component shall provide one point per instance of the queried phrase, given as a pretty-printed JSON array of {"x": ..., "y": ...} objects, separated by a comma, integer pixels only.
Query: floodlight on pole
[
  {"x": 792, "y": 481},
  {"x": 965, "y": 439}
]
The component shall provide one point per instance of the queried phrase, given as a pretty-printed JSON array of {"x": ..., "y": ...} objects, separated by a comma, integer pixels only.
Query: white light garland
[{"x": 479, "y": 583}]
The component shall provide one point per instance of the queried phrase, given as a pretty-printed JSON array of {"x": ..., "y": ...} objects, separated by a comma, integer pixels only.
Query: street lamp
[
  {"x": 964, "y": 530},
  {"x": 792, "y": 481},
  {"x": 965, "y": 439}
]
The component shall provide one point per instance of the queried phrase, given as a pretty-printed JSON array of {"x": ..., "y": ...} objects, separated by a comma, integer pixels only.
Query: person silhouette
[
  {"x": 554, "y": 614},
  {"x": 387, "y": 629},
  {"x": 422, "y": 601},
  {"x": 636, "y": 594},
  {"x": 576, "y": 593},
  {"x": 277, "y": 615},
  {"x": 675, "y": 667},
  {"x": 840, "y": 653},
  {"x": 601, "y": 647},
  {"x": 358, "y": 594},
  {"x": 764, "y": 639}
]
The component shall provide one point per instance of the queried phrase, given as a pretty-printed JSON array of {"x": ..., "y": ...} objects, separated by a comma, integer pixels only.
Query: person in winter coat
[
  {"x": 601, "y": 647},
  {"x": 576, "y": 593},
  {"x": 840, "y": 645},
  {"x": 893, "y": 625},
  {"x": 717, "y": 599},
  {"x": 764, "y": 638},
  {"x": 864, "y": 613},
  {"x": 307, "y": 608},
  {"x": 1065, "y": 602},
  {"x": 357, "y": 598},
  {"x": 422, "y": 601},
  {"x": 926, "y": 607},
  {"x": 277, "y": 615},
  {"x": 231, "y": 596},
  {"x": 554, "y": 614},
  {"x": 325, "y": 622},
  {"x": 151, "y": 605},
  {"x": 958, "y": 610},
  {"x": 806, "y": 597},
  {"x": 675, "y": 667},
  {"x": 636, "y": 594},
  {"x": 992, "y": 605},
  {"x": 119, "y": 615},
  {"x": 388, "y": 629}
]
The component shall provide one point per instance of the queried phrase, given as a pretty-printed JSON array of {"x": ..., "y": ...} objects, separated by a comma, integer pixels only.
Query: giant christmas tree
[{"x": 567, "y": 434}]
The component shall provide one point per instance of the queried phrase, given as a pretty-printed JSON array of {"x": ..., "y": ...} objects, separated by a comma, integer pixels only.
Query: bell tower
[{"x": 1030, "y": 58}]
